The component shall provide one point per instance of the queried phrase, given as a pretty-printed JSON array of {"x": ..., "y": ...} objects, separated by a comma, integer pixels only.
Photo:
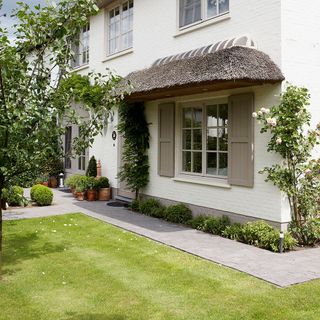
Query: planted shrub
[
  {"x": 92, "y": 167},
  {"x": 233, "y": 232},
  {"x": 14, "y": 196},
  {"x": 198, "y": 222},
  {"x": 178, "y": 213},
  {"x": 43, "y": 196},
  {"x": 216, "y": 225},
  {"x": 152, "y": 207},
  {"x": 308, "y": 233},
  {"x": 33, "y": 190},
  {"x": 72, "y": 181},
  {"x": 135, "y": 205},
  {"x": 262, "y": 235},
  {"x": 103, "y": 182}
]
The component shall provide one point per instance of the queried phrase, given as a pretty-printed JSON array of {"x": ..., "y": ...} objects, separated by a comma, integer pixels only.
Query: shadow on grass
[
  {"x": 19, "y": 248},
  {"x": 94, "y": 316}
]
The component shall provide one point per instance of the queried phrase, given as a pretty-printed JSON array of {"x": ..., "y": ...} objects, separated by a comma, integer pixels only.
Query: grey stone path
[{"x": 280, "y": 269}]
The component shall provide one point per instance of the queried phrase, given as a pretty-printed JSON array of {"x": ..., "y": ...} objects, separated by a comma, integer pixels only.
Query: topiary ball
[{"x": 43, "y": 196}]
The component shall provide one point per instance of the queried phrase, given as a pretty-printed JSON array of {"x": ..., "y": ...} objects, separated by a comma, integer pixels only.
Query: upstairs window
[
  {"x": 120, "y": 31},
  {"x": 192, "y": 11},
  {"x": 80, "y": 47}
]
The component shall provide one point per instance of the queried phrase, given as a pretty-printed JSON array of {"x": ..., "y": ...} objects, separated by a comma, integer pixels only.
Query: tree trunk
[{"x": 0, "y": 233}]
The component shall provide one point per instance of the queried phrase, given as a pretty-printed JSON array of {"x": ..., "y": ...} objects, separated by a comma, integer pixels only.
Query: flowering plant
[{"x": 298, "y": 175}]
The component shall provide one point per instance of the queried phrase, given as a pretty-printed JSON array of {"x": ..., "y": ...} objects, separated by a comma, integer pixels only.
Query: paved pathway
[{"x": 280, "y": 269}]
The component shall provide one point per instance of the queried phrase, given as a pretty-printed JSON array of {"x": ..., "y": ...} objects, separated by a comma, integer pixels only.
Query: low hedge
[
  {"x": 43, "y": 196},
  {"x": 258, "y": 233},
  {"x": 178, "y": 213}
]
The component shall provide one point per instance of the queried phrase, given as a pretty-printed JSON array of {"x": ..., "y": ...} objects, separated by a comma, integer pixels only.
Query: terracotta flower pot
[
  {"x": 104, "y": 194},
  {"x": 45, "y": 183},
  {"x": 81, "y": 196},
  {"x": 91, "y": 195},
  {"x": 53, "y": 182}
]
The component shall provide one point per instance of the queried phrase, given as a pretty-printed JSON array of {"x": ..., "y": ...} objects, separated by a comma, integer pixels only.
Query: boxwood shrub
[
  {"x": 14, "y": 196},
  {"x": 42, "y": 195},
  {"x": 152, "y": 207},
  {"x": 178, "y": 213}
]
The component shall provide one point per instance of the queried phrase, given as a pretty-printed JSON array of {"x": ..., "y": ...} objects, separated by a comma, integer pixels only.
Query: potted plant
[
  {"x": 104, "y": 189},
  {"x": 81, "y": 187},
  {"x": 92, "y": 184},
  {"x": 72, "y": 182}
]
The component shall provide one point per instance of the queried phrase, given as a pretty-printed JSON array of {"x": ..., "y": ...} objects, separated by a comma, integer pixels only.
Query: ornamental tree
[
  {"x": 37, "y": 91},
  {"x": 298, "y": 174}
]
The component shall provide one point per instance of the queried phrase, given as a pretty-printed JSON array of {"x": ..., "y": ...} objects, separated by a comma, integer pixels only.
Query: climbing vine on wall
[{"x": 134, "y": 128}]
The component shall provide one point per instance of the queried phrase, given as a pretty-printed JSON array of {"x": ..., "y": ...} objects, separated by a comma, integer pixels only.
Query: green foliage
[
  {"x": 43, "y": 196},
  {"x": 135, "y": 205},
  {"x": 152, "y": 207},
  {"x": 307, "y": 233},
  {"x": 135, "y": 131},
  {"x": 198, "y": 222},
  {"x": 92, "y": 183},
  {"x": 72, "y": 180},
  {"x": 34, "y": 107},
  {"x": 14, "y": 196},
  {"x": 92, "y": 167},
  {"x": 233, "y": 232},
  {"x": 178, "y": 213},
  {"x": 82, "y": 183},
  {"x": 298, "y": 176},
  {"x": 103, "y": 182},
  {"x": 216, "y": 225},
  {"x": 33, "y": 190},
  {"x": 261, "y": 235}
]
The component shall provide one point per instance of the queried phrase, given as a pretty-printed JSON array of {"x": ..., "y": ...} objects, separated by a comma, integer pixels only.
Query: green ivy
[{"x": 134, "y": 128}]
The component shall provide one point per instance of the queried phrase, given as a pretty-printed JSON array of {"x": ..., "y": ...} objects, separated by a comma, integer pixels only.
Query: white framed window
[
  {"x": 193, "y": 11},
  {"x": 82, "y": 161},
  {"x": 120, "y": 28},
  {"x": 81, "y": 48},
  {"x": 205, "y": 139}
]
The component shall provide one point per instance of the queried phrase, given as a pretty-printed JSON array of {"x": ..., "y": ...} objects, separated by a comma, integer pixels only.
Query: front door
[{"x": 124, "y": 191}]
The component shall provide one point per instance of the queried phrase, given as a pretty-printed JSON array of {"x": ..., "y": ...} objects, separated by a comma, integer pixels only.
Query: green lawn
[{"x": 75, "y": 268}]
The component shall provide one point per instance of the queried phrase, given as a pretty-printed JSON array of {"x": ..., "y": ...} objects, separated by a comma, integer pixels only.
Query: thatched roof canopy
[{"x": 233, "y": 67}]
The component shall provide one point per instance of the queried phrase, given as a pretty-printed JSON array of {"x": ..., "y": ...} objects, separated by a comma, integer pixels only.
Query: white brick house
[{"x": 205, "y": 163}]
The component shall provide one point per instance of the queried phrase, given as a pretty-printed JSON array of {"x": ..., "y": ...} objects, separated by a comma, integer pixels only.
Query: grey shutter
[
  {"x": 241, "y": 163},
  {"x": 166, "y": 139}
]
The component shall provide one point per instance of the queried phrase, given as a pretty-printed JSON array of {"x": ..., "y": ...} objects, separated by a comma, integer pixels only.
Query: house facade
[{"x": 201, "y": 67}]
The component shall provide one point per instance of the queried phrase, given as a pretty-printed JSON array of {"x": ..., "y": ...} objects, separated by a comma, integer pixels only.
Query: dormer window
[{"x": 195, "y": 11}]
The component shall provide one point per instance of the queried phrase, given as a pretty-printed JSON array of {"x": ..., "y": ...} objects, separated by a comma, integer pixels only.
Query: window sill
[
  {"x": 118, "y": 54},
  {"x": 212, "y": 182},
  {"x": 202, "y": 24},
  {"x": 83, "y": 67}
]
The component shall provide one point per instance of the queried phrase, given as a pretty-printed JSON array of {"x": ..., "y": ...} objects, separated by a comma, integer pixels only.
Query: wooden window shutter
[
  {"x": 166, "y": 139},
  {"x": 241, "y": 162}
]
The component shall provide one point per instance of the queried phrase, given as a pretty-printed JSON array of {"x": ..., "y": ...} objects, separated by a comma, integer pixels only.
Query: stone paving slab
[{"x": 280, "y": 269}]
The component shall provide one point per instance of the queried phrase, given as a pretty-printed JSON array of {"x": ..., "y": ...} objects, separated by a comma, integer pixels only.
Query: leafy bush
[
  {"x": 92, "y": 167},
  {"x": 103, "y": 182},
  {"x": 91, "y": 183},
  {"x": 198, "y": 222},
  {"x": 308, "y": 233},
  {"x": 135, "y": 205},
  {"x": 14, "y": 196},
  {"x": 81, "y": 184},
  {"x": 262, "y": 235},
  {"x": 178, "y": 213},
  {"x": 72, "y": 181},
  {"x": 233, "y": 232},
  {"x": 152, "y": 207},
  {"x": 33, "y": 190},
  {"x": 216, "y": 225},
  {"x": 42, "y": 195}
]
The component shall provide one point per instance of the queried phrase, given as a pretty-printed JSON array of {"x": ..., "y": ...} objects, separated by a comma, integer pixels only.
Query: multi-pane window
[
  {"x": 67, "y": 147},
  {"x": 80, "y": 47},
  {"x": 192, "y": 11},
  {"x": 82, "y": 161},
  {"x": 120, "y": 34},
  {"x": 205, "y": 140}
]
